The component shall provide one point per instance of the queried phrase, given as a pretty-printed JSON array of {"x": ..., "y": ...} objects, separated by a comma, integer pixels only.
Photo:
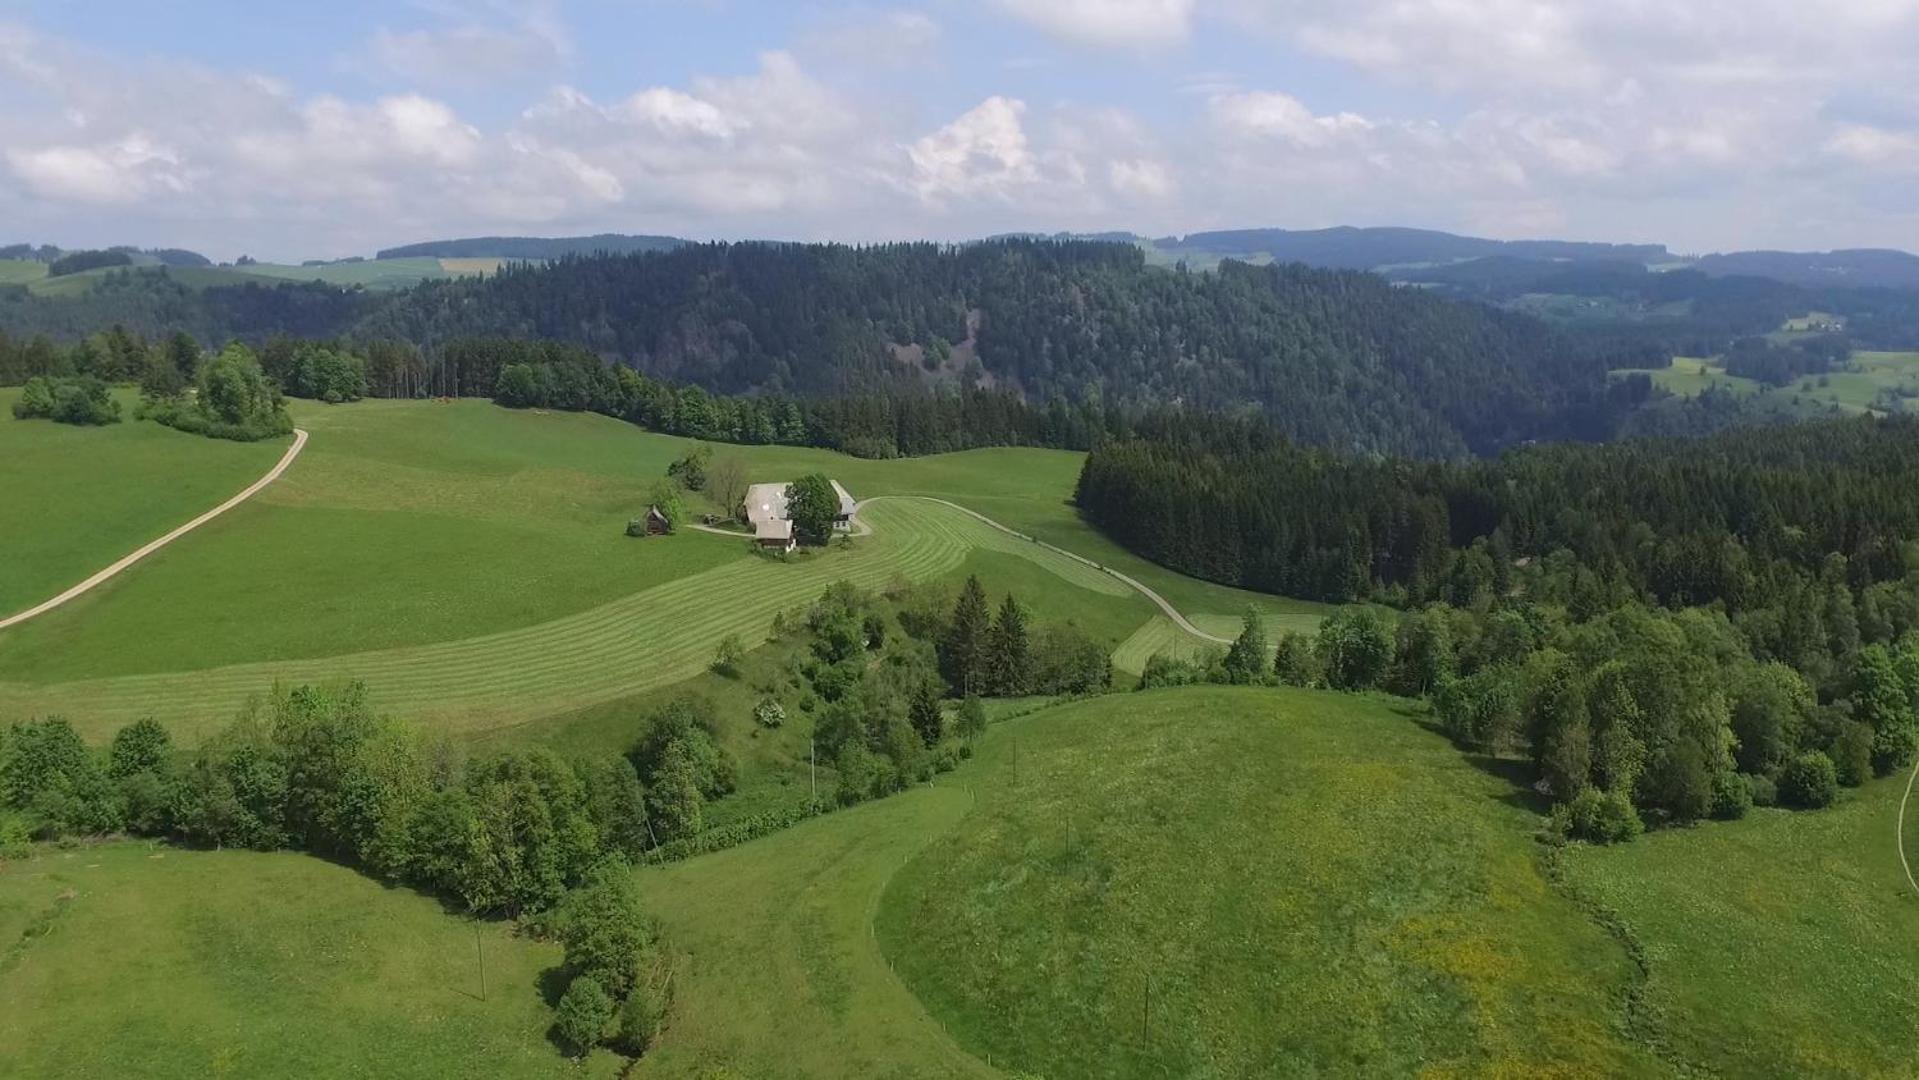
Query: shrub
[
  {"x": 1764, "y": 792},
  {"x": 16, "y": 842},
  {"x": 726, "y": 659},
  {"x": 583, "y": 1014},
  {"x": 769, "y": 713},
  {"x": 79, "y": 399},
  {"x": 1602, "y": 817},
  {"x": 234, "y": 400},
  {"x": 1851, "y": 754},
  {"x": 643, "y": 1013},
  {"x": 1731, "y": 796},
  {"x": 1809, "y": 781}
]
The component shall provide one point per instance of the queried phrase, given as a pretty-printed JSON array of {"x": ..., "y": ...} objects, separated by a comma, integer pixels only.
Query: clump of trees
[
  {"x": 310, "y": 369},
  {"x": 619, "y": 975},
  {"x": 75, "y": 399},
  {"x": 232, "y": 399}
]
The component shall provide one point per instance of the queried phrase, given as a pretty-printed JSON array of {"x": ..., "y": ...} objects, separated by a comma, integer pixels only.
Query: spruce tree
[
  {"x": 962, "y": 652},
  {"x": 924, "y": 712},
  {"x": 1010, "y": 658}
]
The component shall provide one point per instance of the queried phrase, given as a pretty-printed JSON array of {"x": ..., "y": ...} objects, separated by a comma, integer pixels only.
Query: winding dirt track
[{"x": 299, "y": 443}]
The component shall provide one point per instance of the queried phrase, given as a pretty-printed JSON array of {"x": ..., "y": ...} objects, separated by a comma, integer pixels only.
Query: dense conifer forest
[{"x": 1333, "y": 358}]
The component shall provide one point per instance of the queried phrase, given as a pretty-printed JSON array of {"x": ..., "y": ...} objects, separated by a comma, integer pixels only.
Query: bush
[
  {"x": 16, "y": 842},
  {"x": 642, "y": 1014},
  {"x": 769, "y": 713},
  {"x": 79, "y": 399},
  {"x": 726, "y": 659},
  {"x": 1809, "y": 781},
  {"x": 583, "y": 1014},
  {"x": 1763, "y": 791},
  {"x": 1602, "y": 817},
  {"x": 1731, "y": 796},
  {"x": 1852, "y": 754}
]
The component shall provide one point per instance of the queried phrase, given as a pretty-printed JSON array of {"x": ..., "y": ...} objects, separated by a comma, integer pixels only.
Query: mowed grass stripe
[{"x": 639, "y": 642}]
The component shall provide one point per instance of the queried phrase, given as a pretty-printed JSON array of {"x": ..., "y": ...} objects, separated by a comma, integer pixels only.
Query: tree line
[{"x": 1664, "y": 624}]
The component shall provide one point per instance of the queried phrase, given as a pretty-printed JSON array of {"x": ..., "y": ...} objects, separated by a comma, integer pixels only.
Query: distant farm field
[
  {"x": 152, "y": 961},
  {"x": 1862, "y": 386},
  {"x": 1236, "y": 882},
  {"x": 21, "y": 271}
]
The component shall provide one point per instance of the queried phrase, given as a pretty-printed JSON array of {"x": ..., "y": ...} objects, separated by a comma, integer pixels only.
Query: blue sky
[{"x": 290, "y": 131}]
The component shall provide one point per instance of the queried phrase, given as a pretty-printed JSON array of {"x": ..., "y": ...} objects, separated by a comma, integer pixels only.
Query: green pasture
[
  {"x": 1690, "y": 376},
  {"x": 1785, "y": 944},
  {"x": 470, "y": 562},
  {"x": 650, "y": 638},
  {"x": 21, "y": 271},
  {"x": 76, "y": 499},
  {"x": 1239, "y": 882},
  {"x": 780, "y": 974},
  {"x": 135, "y": 960}
]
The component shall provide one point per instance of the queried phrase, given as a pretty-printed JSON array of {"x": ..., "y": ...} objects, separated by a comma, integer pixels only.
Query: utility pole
[{"x": 480, "y": 949}]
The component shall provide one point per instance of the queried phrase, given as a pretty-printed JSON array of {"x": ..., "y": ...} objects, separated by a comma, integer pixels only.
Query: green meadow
[
  {"x": 1858, "y": 388},
  {"x": 1237, "y": 882},
  {"x": 76, "y": 499},
  {"x": 1783, "y": 944},
  {"x": 373, "y": 274},
  {"x": 469, "y": 562},
  {"x": 147, "y": 960}
]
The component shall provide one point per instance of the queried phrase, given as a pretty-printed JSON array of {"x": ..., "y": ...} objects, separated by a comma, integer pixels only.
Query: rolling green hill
[
  {"x": 1250, "y": 882},
  {"x": 469, "y": 562}
]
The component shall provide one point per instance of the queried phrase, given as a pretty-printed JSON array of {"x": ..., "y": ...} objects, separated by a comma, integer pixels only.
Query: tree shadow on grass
[{"x": 1516, "y": 772}]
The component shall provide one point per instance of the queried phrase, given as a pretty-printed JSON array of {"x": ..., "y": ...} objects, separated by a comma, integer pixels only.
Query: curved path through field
[
  {"x": 101, "y": 578},
  {"x": 1899, "y": 829},
  {"x": 1142, "y": 588}
]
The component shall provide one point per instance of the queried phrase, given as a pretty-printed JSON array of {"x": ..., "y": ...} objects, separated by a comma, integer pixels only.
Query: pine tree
[
  {"x": 924, "y": 712},
  {"x": 962, "y": 652},
  {"x": 1009, "y": 658},
  {"x": 1246, "y": 659}
]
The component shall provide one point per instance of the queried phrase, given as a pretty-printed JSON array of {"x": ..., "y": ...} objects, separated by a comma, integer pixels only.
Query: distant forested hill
[
  {"x": 1349, "y": 248},
  {"x": 1878, "y": 267},
  {"x": 1336, "y": 359},
  {"x": 537, "y": 248}
]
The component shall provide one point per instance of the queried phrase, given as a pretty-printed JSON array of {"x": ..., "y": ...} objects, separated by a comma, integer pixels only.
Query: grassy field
[
  {"x": 21, "y": 271},
  {"x": 780, "y": 974},
  {"x": 1856, "y": 390},
  {"x": 1690, "y": 376},
  {"x": 469, "y": 562},
  {"x": 159, "y": 962},
  {"x": 1785, "y": 944},
  {"x": 1313, "y": 884},
  {"x": 78, "y": 498},
  {"x": 649, "y": 639}
]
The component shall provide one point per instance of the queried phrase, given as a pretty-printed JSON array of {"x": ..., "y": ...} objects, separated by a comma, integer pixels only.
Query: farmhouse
[
  {"x": 765, "y": 505},
  {"x": 655, "y": 523}
]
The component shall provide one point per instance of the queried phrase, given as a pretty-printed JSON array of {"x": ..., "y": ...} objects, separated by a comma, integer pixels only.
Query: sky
[{"x": 322, "y": 130}]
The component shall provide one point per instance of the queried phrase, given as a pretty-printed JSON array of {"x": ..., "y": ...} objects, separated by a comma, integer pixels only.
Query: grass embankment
[
  {"x": 78, "y": 498},
  {"x": 1304, "y": 884},
  {"x": 1785, "y": 944},
  {"x": 130, "y": 960}
]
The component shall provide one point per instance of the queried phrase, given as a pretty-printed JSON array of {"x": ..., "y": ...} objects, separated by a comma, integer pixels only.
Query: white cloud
[
  {"x": 118, "y": 172},
  {"x": 1283, "y": 116},
  {"x": 1142, "y": 178},
  {"x": 1130, "y": 24},
  {"x": 984, "y": 151}
]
